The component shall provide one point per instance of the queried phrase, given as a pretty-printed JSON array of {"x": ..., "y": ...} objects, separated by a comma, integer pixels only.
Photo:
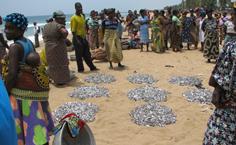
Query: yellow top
[{"x": 77, "y": 24}]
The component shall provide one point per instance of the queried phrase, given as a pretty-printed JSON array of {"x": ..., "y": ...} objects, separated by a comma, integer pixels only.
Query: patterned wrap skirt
[
  {"x": 33, "y": 120},
  {"x": 221, "y": 128},
  {"x": 113, "y": 46}
]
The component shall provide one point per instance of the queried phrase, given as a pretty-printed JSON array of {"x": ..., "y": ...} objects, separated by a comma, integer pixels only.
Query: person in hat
[
  {"x": 81, "y": 45},
  {"x": 54, "y": 36},
  {"x": 28, "y": 85},
  {"x": 221, "y": 127},
  {"x": 211, "y": 42}
]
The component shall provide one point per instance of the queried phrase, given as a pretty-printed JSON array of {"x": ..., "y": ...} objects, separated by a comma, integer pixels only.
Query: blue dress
[
  {"x": 7, "y": 125},
  {"x": 144, "y": 34}
]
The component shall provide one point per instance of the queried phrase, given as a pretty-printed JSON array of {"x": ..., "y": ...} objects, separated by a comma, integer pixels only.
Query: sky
[{"x": 47, "y": 7}]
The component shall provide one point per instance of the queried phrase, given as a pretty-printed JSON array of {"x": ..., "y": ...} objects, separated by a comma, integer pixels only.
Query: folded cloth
[{"x": 73, "y": 122}]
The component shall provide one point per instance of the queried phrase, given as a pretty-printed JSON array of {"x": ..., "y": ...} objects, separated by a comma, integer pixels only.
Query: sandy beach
[{"x": 113, "y": 125}]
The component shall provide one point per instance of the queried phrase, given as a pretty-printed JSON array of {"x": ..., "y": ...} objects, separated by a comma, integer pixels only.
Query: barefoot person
[
  {"x": 27, "y": 85},
  {"x": 78, "y": 29},
  {"x": 112, "y": 42},
  {"x": 144, "y": 32},
  {"x": 211, "y": 42},
  {"x": 54, "y": 36}
]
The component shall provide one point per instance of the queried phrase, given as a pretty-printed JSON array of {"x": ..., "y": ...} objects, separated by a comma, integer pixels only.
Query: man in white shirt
[{"x": 36, "y": 35}]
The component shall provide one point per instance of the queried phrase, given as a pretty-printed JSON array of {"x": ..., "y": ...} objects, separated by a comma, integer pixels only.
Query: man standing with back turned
[{"x": 78, "y": 29}]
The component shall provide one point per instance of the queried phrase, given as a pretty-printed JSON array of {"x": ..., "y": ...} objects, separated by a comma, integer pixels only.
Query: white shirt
[{"x": 230, "y": 27}]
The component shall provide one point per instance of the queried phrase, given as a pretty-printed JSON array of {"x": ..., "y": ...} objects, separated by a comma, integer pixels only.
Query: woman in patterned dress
[
  {"x": 28, "y": 86},
  {"x": 175, "y": 32},
  {"x": 211, "y": 42},
  {"x": 157, "y": 35},
  {"x": 221, "y": 128}
]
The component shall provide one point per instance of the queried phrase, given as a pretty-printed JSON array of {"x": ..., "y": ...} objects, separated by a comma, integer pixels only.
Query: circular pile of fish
[
  {"x": 89, "y": 92},
  {"x": 153, "y": 114},
  {"x": 148, "y": 93},
  {"x": 203, "y": 96},
  {"x": 86, "y": 111},
  {"x": 186, "y": 81},
  {"x": 141, "y": 79},
  {"x": 99, "y": 78}
]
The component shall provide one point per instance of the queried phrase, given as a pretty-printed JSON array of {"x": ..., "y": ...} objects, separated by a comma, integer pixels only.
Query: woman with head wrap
[
  {"x": 27, "y": 85},
  {"x": 211, "y": 42},
  {"x": 54, "y": 36},
  {"x": 221, "y": 128},
  {"x": 111, "y": 39}
]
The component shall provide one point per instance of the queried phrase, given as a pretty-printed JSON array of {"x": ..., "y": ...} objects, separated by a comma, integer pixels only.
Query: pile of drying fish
[
  {"x": 153, "y": 114},
  {"x": 186, "y": 81},
  {"x": 99, "y": 78},
  {"x": 203, "y": 96},
  {"x": 148, "y": 93},
  {"x": 86, "y": 111},
  {"x": 141, "y": 79},
  {"x": 84, "y": 92}
]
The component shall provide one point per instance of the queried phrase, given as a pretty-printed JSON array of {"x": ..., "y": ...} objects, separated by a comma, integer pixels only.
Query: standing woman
[
  {"x": 111, "y": 39},
  {"x": 54, "y": 36},
  {"x": 175, "y": 32},
  {"x": 28, "y": 86},
  {"x": 201, "y": 32},
  {"x": 221, "y": 128},
  {"x": 211, "y": 42},
  {"x": 157, "y": 35},
  {"x": 144, "y": 32},
  {"x": 93, "y": 30}
]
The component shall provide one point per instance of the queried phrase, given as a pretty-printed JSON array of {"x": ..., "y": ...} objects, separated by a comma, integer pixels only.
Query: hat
[{"x": 59, "y": 14}]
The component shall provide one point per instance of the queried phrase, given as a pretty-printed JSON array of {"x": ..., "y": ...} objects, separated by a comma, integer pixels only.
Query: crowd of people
[{"x": 26, "y": 80}]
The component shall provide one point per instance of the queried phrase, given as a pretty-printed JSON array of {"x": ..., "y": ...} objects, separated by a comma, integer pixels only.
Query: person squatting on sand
[
  {"x": 112, "y": 42},
  {"x": 28, "y": 85},
  {"x": 54, "y": 36},
  {"x": 78, "y": 29}
]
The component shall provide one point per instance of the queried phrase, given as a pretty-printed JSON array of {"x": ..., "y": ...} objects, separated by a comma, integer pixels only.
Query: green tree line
[{"x": 187, "y": 4}]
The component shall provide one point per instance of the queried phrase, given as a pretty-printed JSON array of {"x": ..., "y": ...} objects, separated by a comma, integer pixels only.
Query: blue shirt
[{"x": 7, "y": 126}]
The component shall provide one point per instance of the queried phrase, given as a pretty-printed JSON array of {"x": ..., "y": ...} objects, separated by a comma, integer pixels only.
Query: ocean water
[{"x": 41, "y": 21}]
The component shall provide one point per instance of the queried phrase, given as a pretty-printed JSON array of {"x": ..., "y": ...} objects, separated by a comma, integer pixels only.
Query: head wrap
[{"x": 19, "y": 20}]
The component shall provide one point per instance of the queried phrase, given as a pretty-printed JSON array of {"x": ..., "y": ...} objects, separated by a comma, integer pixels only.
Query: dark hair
[
  {"x": 175, "y": 12},
  {"x": 142, "y": 11},
  {"x": 162, "y": 12}
]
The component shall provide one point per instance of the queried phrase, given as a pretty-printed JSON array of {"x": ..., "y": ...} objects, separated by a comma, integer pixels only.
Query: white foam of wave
[
  {"x": 41, "y": 24},
  {"x": 32, "y": 37}
]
